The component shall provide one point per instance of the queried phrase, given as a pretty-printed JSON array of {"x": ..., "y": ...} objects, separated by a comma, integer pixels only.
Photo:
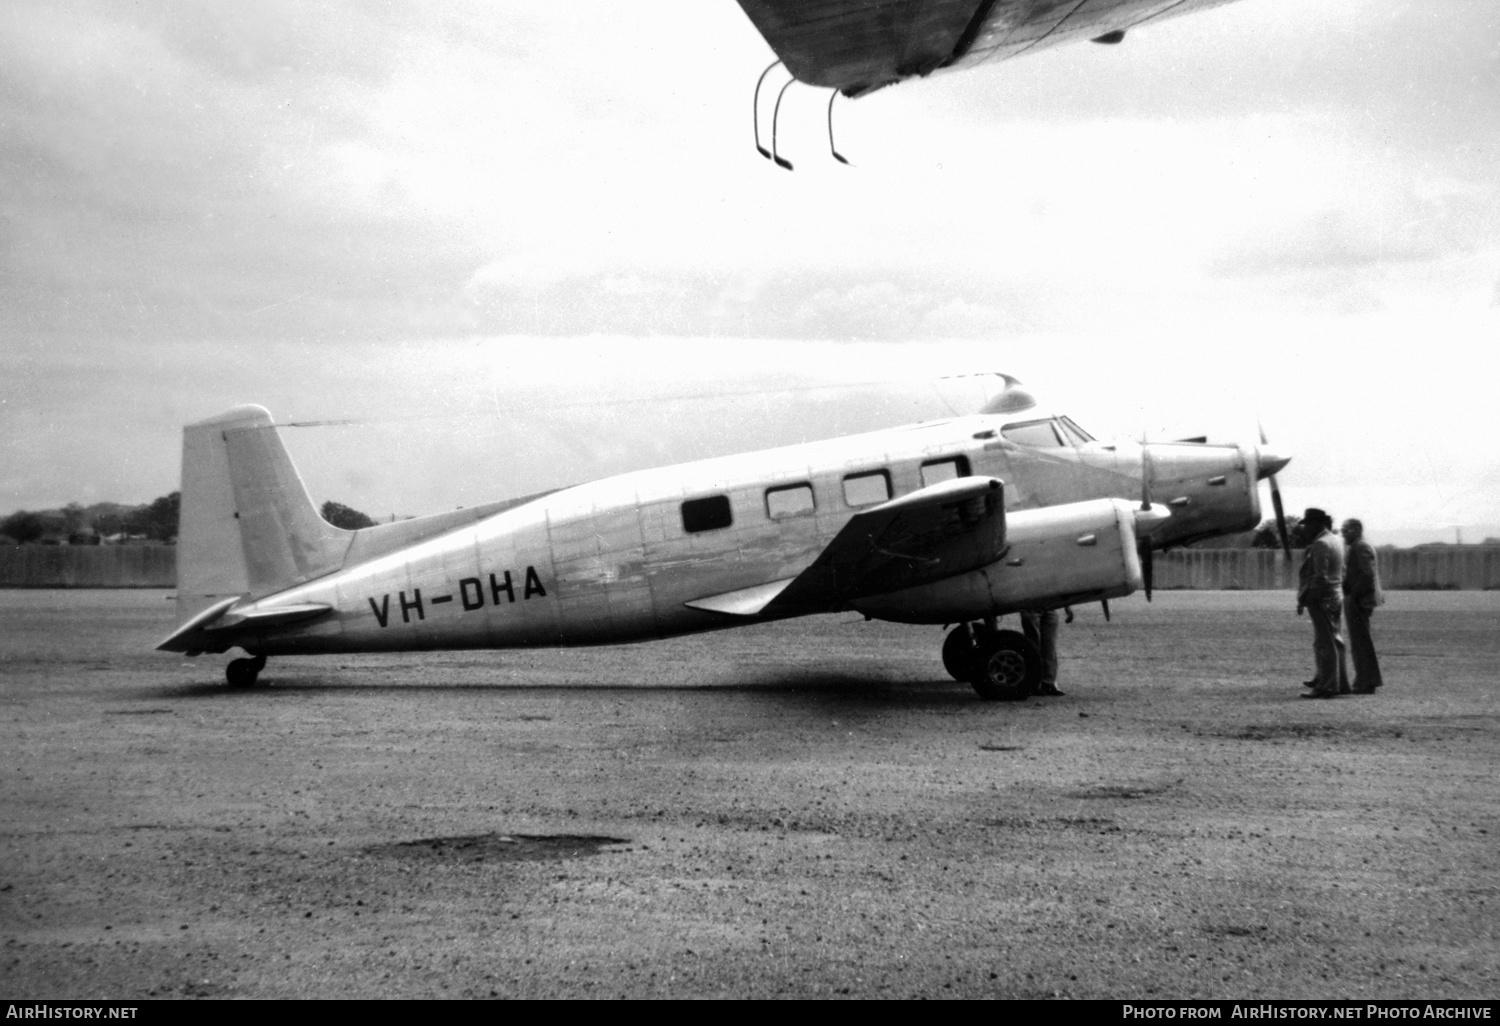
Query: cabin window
[
  {"x": 867, "y": 489},
  {"x": 708, "y": 514},
  {"x": 791, "y": 501},
  {"x": 1038, "y": 434},
  {"x": 934, "y": 471}
]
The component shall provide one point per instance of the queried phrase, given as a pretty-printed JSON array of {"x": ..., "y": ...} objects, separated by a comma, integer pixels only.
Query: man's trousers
[
  {"x": 1361, "y": 648},
  {"x": 1332, "y": 675}
]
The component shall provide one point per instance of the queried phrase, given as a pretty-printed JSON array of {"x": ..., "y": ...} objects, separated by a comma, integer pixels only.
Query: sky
[{"x": 512, "y": 247}]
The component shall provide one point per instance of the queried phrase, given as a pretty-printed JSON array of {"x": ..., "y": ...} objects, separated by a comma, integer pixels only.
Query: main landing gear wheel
[
  {"x": 958, "y": 652},
  {"x": 1005, "y": 666},
  {"x": 241, "y": 673}
]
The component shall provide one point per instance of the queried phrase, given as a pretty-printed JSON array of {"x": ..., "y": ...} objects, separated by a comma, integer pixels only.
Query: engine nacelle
[{"x": 1055, "y": 556}]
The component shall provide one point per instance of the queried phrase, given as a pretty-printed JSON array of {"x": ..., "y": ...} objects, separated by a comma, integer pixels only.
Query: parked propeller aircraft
[{"x": 955, "y": 521}]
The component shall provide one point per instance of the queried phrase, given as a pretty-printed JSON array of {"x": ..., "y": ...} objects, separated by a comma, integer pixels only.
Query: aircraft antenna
[
  {"x": 777, "y": 158},
  {"x": 755, "y": 109},
  {"x": 831, "y": 148}
]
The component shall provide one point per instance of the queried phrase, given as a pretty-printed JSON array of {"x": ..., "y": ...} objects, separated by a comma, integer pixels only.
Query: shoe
[
  {"x": 1310, "y": 683},
  {"x": 1322, "y": 694},
  {"x": 1048, "y": 691}
]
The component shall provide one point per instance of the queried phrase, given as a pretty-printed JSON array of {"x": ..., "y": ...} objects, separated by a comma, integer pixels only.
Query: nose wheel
[
  {"x": 1002, "y": 666},
  {"x": 242, "y": 673}
]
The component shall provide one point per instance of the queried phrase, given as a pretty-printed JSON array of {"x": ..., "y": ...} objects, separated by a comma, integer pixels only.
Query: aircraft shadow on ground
[{"x": 796, "y": 688}]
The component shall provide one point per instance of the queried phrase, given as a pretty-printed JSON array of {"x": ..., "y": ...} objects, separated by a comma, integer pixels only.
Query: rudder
[{"x": 247, "y": 525}]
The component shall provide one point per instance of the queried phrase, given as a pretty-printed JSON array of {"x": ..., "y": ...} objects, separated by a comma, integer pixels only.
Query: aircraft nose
[{"x": 1270, "y": 463}]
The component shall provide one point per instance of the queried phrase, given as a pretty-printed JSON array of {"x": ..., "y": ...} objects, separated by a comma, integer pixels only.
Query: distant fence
[
  {"x": 88, "y": 566},
  {"x": 155, "y": 566},
  {"x": 1267, "y": 569}
]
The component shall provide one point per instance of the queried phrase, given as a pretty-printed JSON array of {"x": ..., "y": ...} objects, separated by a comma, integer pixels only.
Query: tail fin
[{"x": 248, "y": 525}]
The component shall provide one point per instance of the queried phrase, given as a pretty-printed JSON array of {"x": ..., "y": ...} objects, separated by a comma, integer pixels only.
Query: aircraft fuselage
[{"x": 618, "y": 560}]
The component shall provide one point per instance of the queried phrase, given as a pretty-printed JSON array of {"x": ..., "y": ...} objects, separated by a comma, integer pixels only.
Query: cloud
[
  {"x": 533, "y": 294},
  {"x": 327, "y": 206},
  {"x": 1367, "y": 230}
]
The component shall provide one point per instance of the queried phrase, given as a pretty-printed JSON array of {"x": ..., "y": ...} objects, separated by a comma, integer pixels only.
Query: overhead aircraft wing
[
  {"x": 944, "y": 529},
  {"x": 860, "y": 45}
]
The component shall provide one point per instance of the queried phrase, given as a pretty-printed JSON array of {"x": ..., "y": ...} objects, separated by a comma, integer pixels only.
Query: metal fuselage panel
[{"x": 611, "y": 561}]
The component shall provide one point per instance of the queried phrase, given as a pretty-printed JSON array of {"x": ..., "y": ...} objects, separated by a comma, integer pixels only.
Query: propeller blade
[
  {"x": 1278, "y": 462},
  {"x": 1144, "y": 545},
  {"x": 1145, "y": 473},
  {"x": 1281, "y": 532}
]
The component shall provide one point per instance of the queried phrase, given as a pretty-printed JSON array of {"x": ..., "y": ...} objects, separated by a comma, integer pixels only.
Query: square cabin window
[
  {"x": 791, "y": 501},
  {"x": 708, "y": 514},
  {"x": 934, "y": 471},
  {"x": 867, "y": 489}
]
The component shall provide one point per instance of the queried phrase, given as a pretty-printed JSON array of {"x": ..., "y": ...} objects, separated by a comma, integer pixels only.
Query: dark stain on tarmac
[
  {"x": 499, "y": 847},
  {"x": 1122, "y": 791},
  {"x": 1330, "y": 731},
  {"x": 1089, "y": 824}
]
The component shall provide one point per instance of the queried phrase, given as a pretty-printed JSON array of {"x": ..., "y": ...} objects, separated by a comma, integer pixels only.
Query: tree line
[
  {"x": 77, "y": 524},
  {"x": 156, "y": 521}
]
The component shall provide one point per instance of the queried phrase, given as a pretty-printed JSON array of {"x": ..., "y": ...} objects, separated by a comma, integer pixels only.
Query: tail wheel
[
  {"x": 958, "y": 652},
  {"x": 242, "y": 673},
  {"x": 1006, "y": 667}
]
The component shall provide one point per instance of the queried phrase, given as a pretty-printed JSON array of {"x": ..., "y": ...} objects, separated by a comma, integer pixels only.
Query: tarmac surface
[{"x": 809, "y": 808}]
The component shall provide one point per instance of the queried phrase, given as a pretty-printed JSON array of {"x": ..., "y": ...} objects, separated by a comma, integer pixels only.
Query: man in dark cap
[
  {"x": 1361, "y": 595},
  {"x": 1320, "y": 590}
]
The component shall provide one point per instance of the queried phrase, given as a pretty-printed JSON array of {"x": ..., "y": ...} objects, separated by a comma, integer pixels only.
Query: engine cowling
[{"x": 1054, "y": 556}]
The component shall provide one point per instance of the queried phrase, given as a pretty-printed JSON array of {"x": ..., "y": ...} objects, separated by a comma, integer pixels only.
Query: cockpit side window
[
  {"x": 1039, "y": 434},
  {"x": 1073, "y": 431}
]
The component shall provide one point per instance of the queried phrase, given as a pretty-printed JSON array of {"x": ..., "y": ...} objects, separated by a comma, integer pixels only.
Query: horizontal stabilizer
[
  {"x": 273, "y": 617},
  {"x": 180, "y": 639},
  {"x": 212, "y": 630}
]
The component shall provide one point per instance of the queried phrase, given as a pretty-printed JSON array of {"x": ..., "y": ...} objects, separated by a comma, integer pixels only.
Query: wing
[
  {"x": 860, "y": 45},
  {"x": 944, "y": 529}
]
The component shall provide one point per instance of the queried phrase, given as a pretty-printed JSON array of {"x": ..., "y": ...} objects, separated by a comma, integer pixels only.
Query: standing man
[
  {"x": 1320, "y": 591},
  {"x": 1040, "y": 629},
  {"x": 1361, "y": 595}
]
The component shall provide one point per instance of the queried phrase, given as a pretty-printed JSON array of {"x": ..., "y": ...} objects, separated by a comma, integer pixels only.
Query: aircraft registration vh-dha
[{"x": 955, "y": 521}]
